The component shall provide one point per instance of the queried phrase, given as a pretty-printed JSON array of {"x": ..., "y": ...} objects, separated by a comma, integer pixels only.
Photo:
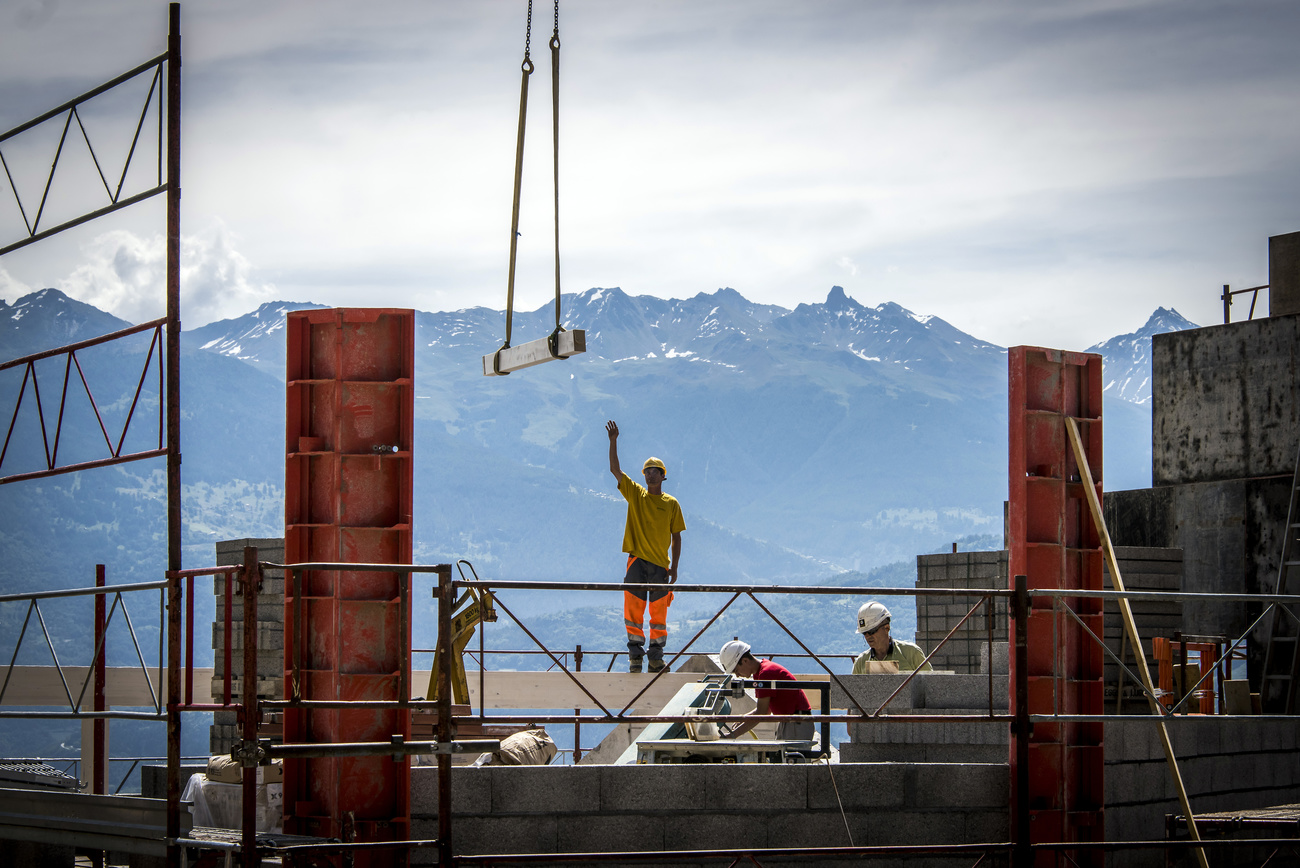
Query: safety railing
[
  {"x": 254, "y": 752},
  {"x": 52, "y": 431},
  {"x": 1282, "y": 603},
  {"x": 98, "y": 658},
  {"x": 1227, "y": 300},
  {"x": 70, "y": 112}
]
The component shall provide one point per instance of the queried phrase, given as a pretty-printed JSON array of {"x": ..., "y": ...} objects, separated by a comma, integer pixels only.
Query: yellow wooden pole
[{"x": 1130, "y": 630}]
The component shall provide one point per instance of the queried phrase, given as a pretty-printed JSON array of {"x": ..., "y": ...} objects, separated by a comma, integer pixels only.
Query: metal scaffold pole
[{"x": 173, "y": 422}]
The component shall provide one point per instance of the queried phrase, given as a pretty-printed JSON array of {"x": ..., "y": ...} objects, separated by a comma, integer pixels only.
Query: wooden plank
[
  {"x": 39, "y": 686},
  {"x": 126, "y": 686},
  {"x": 536, "y": 352}
]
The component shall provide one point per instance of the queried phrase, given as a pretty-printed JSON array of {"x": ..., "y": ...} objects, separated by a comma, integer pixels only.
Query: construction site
[{"x": 1116, "y": 686}]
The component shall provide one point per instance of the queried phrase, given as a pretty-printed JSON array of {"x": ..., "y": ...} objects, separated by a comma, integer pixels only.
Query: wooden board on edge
[{"x": 536, "y": 352}]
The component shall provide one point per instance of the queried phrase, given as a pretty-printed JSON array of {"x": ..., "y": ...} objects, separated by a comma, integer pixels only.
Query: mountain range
[{"x": 801, "y": 443}]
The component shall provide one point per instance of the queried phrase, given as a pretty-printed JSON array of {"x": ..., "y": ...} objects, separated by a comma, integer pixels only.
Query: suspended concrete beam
[{"x": 507, "y": 359}]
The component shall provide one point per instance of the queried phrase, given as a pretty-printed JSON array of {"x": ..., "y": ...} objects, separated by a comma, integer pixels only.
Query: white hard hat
[
  {"x": 731, "y": 653},
  {"x": 871, "y": 615}
]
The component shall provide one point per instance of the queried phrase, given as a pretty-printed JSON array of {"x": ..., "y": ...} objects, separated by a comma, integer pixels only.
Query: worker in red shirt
[{"x": 736, "y": 659}]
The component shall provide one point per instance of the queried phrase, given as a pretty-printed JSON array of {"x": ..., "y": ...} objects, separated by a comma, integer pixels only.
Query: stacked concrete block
[
  {"x": 936, "y": 616},
  {"x": 1142, "y": 569},
  {"x": 1226, "y": 763},
  {"x": 270, "y": 636},
  {"x": 937, "y": 695},
  {"x": 576, "y": 809}
]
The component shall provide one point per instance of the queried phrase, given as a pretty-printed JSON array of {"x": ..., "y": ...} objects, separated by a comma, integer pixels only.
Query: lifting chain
[{"x": 527, "y": 69}]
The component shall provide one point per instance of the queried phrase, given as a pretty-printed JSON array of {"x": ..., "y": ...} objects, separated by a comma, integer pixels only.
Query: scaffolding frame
[{"x": 166, "y": 83}]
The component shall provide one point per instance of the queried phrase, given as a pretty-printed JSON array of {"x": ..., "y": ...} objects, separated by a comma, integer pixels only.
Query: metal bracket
[{"x": 251, "y": 753}]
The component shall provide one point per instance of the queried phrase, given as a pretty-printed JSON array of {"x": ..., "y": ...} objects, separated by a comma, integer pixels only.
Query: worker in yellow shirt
[
  {"x": 873, "y": 624},
  {"x": 654, "y": 526}
]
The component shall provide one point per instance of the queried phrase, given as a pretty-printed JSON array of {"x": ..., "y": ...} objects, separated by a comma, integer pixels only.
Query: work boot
[
  {"x": 658, "y": 665},
  {"x": 634, "y": 665}
]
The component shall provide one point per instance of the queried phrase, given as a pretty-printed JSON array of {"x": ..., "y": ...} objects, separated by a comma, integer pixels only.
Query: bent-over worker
[
  {"x": 873, "y": 624},
  {"x": 654, "y": 525},
  {"x": 736, "y": 659}
]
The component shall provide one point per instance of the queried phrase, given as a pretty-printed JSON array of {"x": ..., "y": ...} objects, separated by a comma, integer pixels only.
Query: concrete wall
[
  {"x": 1227, "y": 763},
  {"x": 1145, "y": 565},
  {"x": 549, "y": 809},
  {"x": 935, "y": 616},
  {"x": 936, "y": 741},
  {"x": 1229, "y": 533},
  {"x": 1143, "y": 569},
  {"x": 1226, "y": 401},
  {"x": 270, "y": 635},
  {"x": 1284, "y": 274}
]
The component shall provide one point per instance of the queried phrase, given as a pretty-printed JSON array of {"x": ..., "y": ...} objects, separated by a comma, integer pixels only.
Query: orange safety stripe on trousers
[{"x": 634, "y": 614}]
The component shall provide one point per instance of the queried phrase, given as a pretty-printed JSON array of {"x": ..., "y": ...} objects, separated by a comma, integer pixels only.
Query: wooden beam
[
  {"x": 40, "y": 686},
  {"x": 536, "y": 352},
  {"x": 503, "y": 690}
]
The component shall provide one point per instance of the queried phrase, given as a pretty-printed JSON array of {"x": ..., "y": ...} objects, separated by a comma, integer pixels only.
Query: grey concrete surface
[
  {"x": 1226, "y": 401},
  {"x": 550, "y": 809}
]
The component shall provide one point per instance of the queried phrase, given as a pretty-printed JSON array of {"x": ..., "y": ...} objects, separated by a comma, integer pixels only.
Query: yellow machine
[{"x": 473, "y": 608}]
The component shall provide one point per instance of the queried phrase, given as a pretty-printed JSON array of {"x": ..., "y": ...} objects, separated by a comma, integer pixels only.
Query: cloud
[
  {"x": 12, "y": 289},
  {"x": 126, "y": 274}
]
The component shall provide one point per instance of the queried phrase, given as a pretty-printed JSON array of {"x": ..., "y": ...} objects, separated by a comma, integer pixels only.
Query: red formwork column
[
  {"x": 348, "y": 493},
  {"x": 1054, "y": 543}
]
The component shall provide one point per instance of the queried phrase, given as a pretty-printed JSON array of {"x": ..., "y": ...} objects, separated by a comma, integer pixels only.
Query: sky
[{"x": 1033, "y": 173}]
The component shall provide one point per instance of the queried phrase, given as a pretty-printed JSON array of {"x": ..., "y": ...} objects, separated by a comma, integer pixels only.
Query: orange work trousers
[{"x": 640, "y": 571}]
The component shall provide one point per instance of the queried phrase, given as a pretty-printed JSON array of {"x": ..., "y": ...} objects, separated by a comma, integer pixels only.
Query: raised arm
[{"x": 611, "y": 427}]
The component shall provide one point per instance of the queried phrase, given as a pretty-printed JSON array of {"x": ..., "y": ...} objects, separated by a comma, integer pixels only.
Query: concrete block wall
[
  {"x": 1142, "y": 569},
  {"x": 935, "y": 741},
  {"x": 553, "y": 809},
  {"x": 270, "y": 635},
  {"x": 1226, "y": 763},
  {"x": 935, "y": 616}
]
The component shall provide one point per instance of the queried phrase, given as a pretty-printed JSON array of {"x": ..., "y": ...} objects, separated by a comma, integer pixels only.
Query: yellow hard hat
[{"x": 654, "y": 462}]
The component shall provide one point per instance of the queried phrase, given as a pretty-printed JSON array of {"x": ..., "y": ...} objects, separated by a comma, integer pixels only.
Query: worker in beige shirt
[{"x": 873, "y": 624}]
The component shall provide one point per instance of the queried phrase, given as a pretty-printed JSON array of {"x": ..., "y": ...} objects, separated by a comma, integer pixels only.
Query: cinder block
[
  {"x": 959, "y": 691},
  {"x": 716, "y": 831},
  {"x": 1121, "y": 783},
  {"x": 966, "y": 753},
  {"x": 1139, "y": 822},
  {"x": 519, "y": 834},
  {"x": 1001, "y": 657},
  {"x": 561, "y": 789},
  {"x": 870, "y": 691},
  {"x": 471, "y": 791},
  {"x": 855, "y": 786},
  {"x": 916, "y": 827},
  {"x": 586, "y": 833},
  {"x": 754, "y": 787},
  {"x": 811, "y": 830},
  {"x": 651, "y": 788},
  {"x": 865, "y": 752},
  {"x": 970, "y": 785},
  {"x": 988, "y": 826}
]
